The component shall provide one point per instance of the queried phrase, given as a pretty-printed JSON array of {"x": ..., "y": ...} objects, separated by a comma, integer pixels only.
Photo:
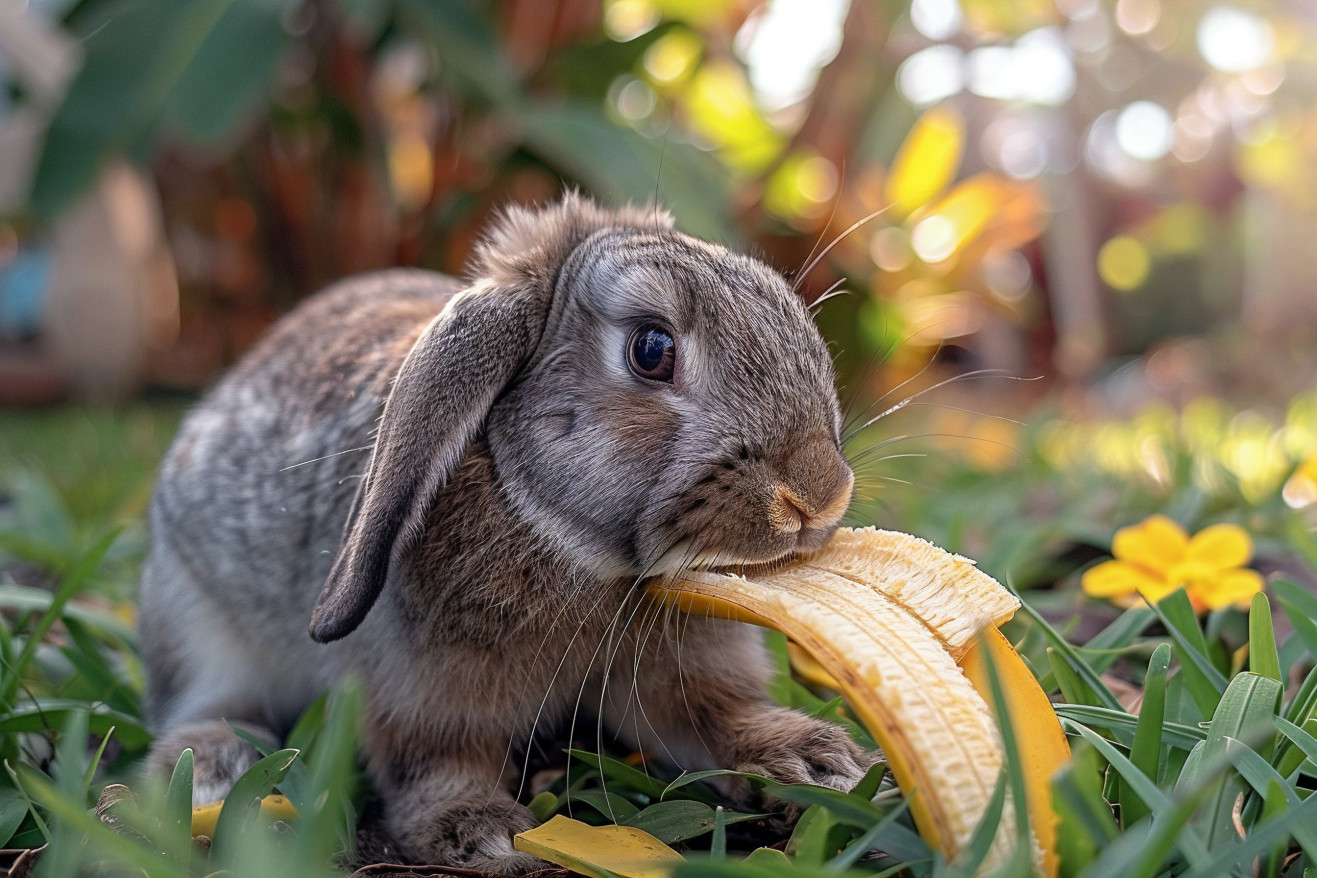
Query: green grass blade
[
  {"x": 873, "y": 838},
  {"x": 66, "y": 849},
  {"x": 718, "y": 842},
  {"x": 177, "y": 820},
  {"x": 1082, "y": 668},
  {"x": 1305, "y": 699},
  {"x": 104, "y": 840},
  {"x": 1022, "y": 857},
  {"x": 70, "y": 585},
  {"x": 326, "y": 826},
  {"x": 1204, "y": 681},
  {"x": 1138, "y": 782},
  {"x": 1262, "y": 656},
  {"x": 1246, "y": 713},
  {"x": 1086, "y": 824},
  {"x": 1274, "y": 804},
  {"x": 1258, "y": 842},
  {"x": 1073, "y": 688},
  {"x": 1120, "y": 634},
  {"x": 1303, "y": 737},
  {"x": 1259, "y": 774},
  {"x": 1147, "y": 748},
  {"x": 1173, "y": 734},
  {"x": 95, "y": 762}
]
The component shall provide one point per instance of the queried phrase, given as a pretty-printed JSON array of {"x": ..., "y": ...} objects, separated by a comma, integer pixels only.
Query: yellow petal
[
  {"x": 1117, "y": 578},
  {"x": 1156, "y": 543},
  {"x": 1220, "y": 547},
  {"x": 599, "y": 850},
  {"x": 1228, "y": 588}
]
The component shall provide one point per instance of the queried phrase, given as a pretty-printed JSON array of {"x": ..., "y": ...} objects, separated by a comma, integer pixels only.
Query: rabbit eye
[{"x": 653, "y": 354}]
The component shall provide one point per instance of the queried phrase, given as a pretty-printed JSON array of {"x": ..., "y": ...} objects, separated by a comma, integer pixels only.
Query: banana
[{"x": 891, "y": 619}]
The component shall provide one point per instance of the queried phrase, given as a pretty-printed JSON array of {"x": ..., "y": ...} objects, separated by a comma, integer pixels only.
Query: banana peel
[
  {"x": 900, "y": 627},
  {"x": 204, "y": 817}
]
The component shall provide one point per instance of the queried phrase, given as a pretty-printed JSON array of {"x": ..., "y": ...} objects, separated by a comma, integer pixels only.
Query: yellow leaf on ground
[{"x": 599, "y": 850}]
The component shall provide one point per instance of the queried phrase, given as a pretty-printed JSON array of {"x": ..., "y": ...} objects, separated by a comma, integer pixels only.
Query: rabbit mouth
[{"x": 686, "y": 555}]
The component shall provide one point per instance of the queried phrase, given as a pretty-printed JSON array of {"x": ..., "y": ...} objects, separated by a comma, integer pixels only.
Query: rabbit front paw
[
  {"x": 792, "y": 748},
  {"x": 470, "y": 834}
]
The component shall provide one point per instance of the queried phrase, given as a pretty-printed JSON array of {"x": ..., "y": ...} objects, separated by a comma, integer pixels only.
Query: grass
[{"x": 1212, "y": 775}]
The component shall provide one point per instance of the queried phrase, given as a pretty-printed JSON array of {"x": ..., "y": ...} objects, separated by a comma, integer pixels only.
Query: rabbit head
[{"x": 650, "y": 401}]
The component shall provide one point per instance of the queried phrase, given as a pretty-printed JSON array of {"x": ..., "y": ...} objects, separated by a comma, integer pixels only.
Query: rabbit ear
[
  {"x": 443, "y": 392},
  {"x": 440, "y": 398}
]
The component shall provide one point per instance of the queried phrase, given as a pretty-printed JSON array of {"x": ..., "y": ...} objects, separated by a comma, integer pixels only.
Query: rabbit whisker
[
  {"x": 548, "y": 691},
  {"x": 325, "y": 457},
  {"x": 805, "y": 272}
]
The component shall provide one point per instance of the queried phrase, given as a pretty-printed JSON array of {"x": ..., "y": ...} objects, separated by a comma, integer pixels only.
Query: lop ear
[{"x": 444, "y": 390}]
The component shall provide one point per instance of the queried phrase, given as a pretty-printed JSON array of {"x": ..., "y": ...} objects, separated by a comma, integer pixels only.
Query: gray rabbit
[{"x": 462, "y": 484}]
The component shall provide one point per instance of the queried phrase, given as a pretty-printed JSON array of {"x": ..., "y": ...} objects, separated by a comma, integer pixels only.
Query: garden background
[{"x": 1066, "y": 251}]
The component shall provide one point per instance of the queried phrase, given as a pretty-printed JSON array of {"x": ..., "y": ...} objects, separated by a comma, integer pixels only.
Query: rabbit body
[{"x": 473, "y": 552}]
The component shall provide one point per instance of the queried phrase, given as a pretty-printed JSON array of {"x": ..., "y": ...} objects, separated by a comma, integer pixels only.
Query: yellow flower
[
  {"x": 1156, "y": 556},
  {"x": 1301, "y": 489}
]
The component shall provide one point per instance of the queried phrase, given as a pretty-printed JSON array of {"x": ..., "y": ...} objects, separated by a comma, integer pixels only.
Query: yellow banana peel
[
  {"x": 899, "y": 627},
  {"x": 204, "y": 817}
]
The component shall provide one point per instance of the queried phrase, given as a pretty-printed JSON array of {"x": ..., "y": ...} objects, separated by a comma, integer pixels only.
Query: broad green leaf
[
  {"x": 135, "y": 58},
  {"x": 543, "y": 805},
  {"x": 243, "y": 801},
  {"x": 45, "y": 713},
  {"x": 619, "y": 771},
  {"x": 13, "y": 808},
  {"x": 809, "y": 842},
  {"x": 620, "y": 166},
  {"x": 611, "y": 805},
  {"x": 231, "y": 75},
  {"x": 850, "y": 809},
  {"x": 680, "y": 819},
  {"x": 691, "y": 777}
]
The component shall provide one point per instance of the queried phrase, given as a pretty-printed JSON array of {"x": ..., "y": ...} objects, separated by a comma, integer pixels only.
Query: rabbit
[{"x": 462, "y": 485}]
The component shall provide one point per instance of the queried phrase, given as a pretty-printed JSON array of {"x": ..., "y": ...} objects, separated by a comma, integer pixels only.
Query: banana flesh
[{"x": 890, "y": 617}]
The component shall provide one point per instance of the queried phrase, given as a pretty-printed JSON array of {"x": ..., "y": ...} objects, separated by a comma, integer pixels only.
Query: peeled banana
[{"x": 896, "y": 622}]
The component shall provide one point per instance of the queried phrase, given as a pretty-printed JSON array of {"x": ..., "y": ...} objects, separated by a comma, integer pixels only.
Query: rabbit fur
[{"x": 474, "y": 552}]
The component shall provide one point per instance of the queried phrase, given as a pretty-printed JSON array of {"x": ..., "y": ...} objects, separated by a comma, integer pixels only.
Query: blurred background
[{"x": 1069, "y": 242}]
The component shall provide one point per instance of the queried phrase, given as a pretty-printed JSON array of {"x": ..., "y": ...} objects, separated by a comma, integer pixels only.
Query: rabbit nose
[{"x": 816, "y": 490}]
